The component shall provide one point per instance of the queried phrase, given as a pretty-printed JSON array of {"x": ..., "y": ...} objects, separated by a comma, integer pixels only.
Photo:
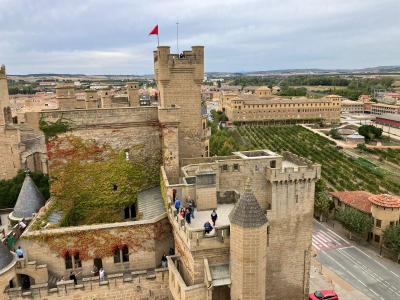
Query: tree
[
  {"x": 10, "y": 188},
  {"x": 334, "y": 133},
  {"x": 370, "y": 132},
  {"x": 322, "y": 203},
  {"x": 354, "y": 220},
  {"x": 391, "y": 239}
]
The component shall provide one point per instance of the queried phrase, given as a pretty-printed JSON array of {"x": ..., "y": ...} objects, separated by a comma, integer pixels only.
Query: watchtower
[
  {"x": 65, "y": 95},
  {"x": 179, "y": 78},
  {"x": 105, "y": 97},
  {"x": 248, "y": 248},
  {"x": 92, "y": 99},
  {"x": 133, "y": 93},
  {"x": 4, "y": 98}
]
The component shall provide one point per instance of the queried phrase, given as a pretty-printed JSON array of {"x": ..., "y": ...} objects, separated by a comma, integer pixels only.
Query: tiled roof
[
  {"x": 29, "y": 201},
  {"x": 356, "y": 199},
  {"x": 5, "y": 256},
  {"x": 385, "y": 200},
  {"x": 247, "y": 212}
]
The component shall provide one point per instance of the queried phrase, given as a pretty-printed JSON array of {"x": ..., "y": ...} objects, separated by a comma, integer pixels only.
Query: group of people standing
[{"x": 186, "y": 209}]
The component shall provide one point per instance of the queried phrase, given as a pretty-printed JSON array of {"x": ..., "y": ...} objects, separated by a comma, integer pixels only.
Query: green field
[{"x": 339, "y": 170}]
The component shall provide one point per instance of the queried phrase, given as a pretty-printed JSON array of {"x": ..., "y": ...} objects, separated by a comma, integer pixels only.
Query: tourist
[
  {"x": 192, "y": 206},
  {"x": 177, "y": 204},
  {"x": 187, "y": 215},
  {"x": 214, "y": 216},
  {"x": 164, "y": 261},
  {"x": 101, "y": 274},
  {"x": 72, "y": 276},
  {"x": 95, "y": 271},
  {"x": 182, "y": 213},
  {"x": 22, "y": 225},
  {"x": 19, "y": 252},
  {"x": 173, "y": 194},
  {"x": 10, "y": 241},
  {"x": 207, "y": 227}
]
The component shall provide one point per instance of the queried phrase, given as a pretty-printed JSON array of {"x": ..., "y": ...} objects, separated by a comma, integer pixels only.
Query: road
[{"x": 372, "y": 275}]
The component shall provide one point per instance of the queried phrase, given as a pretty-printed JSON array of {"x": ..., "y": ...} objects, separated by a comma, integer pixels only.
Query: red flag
[{"x": 154, "y": 30}]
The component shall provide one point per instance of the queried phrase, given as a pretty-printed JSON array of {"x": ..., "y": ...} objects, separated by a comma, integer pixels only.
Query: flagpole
[
  {"x": 177, "y": 36},
  {"x": 158, "y": 41}
]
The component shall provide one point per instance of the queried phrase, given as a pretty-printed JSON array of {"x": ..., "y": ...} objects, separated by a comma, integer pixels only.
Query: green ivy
[{"x": 52, "y": 129}]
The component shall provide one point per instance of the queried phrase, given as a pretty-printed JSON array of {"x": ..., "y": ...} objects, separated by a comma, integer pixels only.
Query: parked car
[{"x": 324, "y": 295}]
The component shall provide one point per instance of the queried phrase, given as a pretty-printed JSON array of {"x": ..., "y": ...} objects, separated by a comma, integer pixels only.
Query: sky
[{"x": 111, "y": 36}]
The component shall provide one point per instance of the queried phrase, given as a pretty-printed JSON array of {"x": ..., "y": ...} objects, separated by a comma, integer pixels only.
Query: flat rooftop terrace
[{"x": 200, "y": 217}]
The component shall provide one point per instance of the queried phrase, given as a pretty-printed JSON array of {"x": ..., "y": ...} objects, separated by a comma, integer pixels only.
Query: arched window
[{"x": 121, "y": 254}]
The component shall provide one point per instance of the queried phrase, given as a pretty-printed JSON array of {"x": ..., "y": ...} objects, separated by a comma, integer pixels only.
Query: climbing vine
[
  {"x": 52, "y": 129},
  {"x": 93, "y": 183}
]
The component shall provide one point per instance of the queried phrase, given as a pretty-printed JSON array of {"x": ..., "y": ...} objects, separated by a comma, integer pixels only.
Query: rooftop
[
  {"x": 29, "y": 201},
  {"x": 385, "y": 200},
  {"x": 200, "y": 217},
  {"x": 356, "y": 199}
]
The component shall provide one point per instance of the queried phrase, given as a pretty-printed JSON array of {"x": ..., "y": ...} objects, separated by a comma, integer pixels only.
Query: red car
[{"x": 324, "y": 295}]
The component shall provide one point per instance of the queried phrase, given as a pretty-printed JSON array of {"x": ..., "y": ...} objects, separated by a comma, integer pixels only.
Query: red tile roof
[
  {"x": 385, "y": 200},
  {"x": 356, "y": 199}
]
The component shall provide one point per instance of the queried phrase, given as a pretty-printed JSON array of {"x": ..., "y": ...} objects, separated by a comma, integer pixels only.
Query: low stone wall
[{"x": 138, "y": 285}]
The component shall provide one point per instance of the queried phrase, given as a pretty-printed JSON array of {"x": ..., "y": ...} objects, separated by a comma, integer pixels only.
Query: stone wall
[
  {"x": 138, "y": 285},
  {"x": 146, "y": 240},
  {"x": 10, "y": 148}
]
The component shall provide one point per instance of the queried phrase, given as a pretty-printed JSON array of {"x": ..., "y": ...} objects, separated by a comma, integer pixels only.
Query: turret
[
  {"x": 248, "y": 248},
  {"x": 5, "y": 111},
  {"x": 91, "y": 99},
  {"x": 65, "y": 95},
  {"x": 133, "y": 93},
  {"x": 179, "y": 78},
  {"x": 105, "y": 97}
]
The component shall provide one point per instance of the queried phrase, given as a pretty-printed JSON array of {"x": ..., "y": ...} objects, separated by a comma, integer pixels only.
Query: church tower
[
  {"x": 179, "y": 78},
  {"x": 248, "y": 248}
]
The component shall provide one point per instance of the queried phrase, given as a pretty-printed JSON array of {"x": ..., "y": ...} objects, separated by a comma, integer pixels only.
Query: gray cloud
[{"x": 111, "y": 37}]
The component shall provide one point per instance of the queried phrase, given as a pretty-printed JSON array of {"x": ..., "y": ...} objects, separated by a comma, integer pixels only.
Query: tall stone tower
[
  {"x": 133, "y": 93},
  {"x": 179, "y": 79},
  {"x": 105, "y": 97},
  {"x": 5, "y": 111},
  {"x": 65, "y": 95},
  {"x": 248, "y": 248},
  {"x": 92, "y": 99}
]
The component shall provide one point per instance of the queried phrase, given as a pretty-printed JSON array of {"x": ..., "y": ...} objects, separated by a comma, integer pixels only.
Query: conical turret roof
[
  {"x": 5, "y": 256},
  {"x": 247, "y": 212},
  {"x": 29, "y": 201}
]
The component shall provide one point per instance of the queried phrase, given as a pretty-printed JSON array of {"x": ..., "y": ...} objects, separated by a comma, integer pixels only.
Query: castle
[{"x": 259, "y": 248}]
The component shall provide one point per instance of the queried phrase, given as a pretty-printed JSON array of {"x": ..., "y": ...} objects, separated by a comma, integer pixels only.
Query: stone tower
[
  {"x": 133, "y": 93},
  {"x": 179, "y": 79},
  {"x": 65, "y": 95},
  {"x": 92, "y": 100},
  {"x": 105, "y": 97},
  {"x": 5, "y": 111},
  {"x": 248, "y": 248}
]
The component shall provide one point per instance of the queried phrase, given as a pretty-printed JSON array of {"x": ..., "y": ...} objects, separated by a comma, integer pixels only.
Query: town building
[
  {"x": 392, "y": 120},
  {"x": 245, "y": 108},
  {"x": 381, "y": 108},
  {"x": 353, "y": 107},
  {"x": 384, "y": 209}
]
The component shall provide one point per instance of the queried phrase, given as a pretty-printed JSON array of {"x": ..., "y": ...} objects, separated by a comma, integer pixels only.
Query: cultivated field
[{"x": 340, "y": 171}]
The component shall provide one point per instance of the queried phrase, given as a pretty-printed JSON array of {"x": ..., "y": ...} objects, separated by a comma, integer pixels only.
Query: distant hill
[{"x": 372, "y": 70}]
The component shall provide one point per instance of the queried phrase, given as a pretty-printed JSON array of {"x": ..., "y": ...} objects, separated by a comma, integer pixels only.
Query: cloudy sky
[{"x": 111, "y": 36}]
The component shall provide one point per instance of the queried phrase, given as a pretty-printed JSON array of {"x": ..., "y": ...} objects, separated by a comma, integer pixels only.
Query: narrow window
[
  {"x": 68, "y": 261},
  {"x": 377, "y": 238},
  {"x": 235, "y": 167},
  {"x": 378, "y": 223},
  {"x": 117, "y": 256},
  {"x": 125, "y": 254},
  {"x": 272, "y": 164},
  {"x": 77, "y": 260}
]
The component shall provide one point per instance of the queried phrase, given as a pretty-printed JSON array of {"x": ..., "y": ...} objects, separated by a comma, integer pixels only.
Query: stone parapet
[
  {"x": 178, "y": 288},
  {"x": 149, "y": 284},
  {"x": 293, "y": 174}
]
